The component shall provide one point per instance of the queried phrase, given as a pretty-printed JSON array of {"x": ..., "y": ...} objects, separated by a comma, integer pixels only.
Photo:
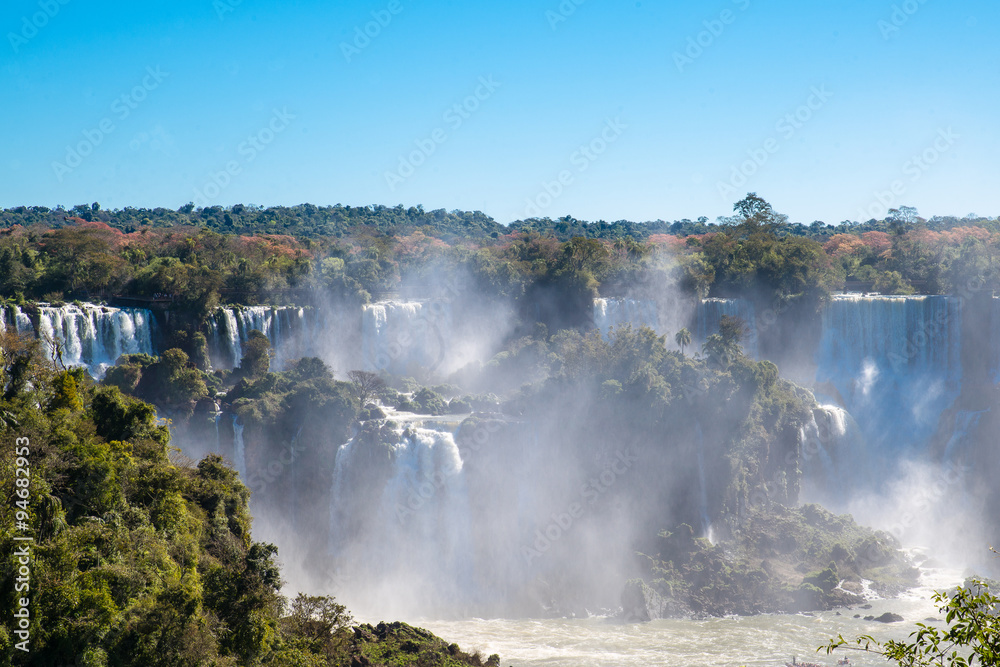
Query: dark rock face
[{"x": 640, "y": 603}]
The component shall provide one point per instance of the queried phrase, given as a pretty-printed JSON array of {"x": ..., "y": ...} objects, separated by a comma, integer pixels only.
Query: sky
[{"x": 601, "y": 110}]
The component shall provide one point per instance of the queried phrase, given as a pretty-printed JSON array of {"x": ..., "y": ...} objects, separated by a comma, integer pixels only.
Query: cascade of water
[
  {"x": 966, "y": 422},
  {"x": 90, "y": 335},
  {"x": 894, "y": 363},
  {"x": 218, "y": 441},
  {"x": 23, "y": 323},
  {"x": 239, "y": 449},
  {"x": 290, "y": 330},
  {"x": 610, "y": 313},
  {"x": 235, "y": 349},
  {"x": 420, "y": 534},
  {"x": 833, "y": 455},
  {"x": 706, "y": 524},
  {"x": 396, "y": 334},
  {"x": 709, "y": 315}
]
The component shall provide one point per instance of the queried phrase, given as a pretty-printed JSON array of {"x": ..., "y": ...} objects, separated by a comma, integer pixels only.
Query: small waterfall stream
[{"x": 239, "y": 449}]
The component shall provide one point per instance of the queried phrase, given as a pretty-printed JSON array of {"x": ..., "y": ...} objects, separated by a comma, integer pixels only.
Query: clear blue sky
[{"x": 678, "y": 129}]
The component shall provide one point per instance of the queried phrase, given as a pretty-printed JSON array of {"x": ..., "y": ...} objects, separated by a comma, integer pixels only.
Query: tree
[
  {"x": 320, "y": 621},
  {"x": 753, "y": 215},
  {"x": 724, "y": 347},
  {"x": 256, "y": 359},
  {"x": 972, "y": 615},
  {"x": 65, "y": 394},
  {"x": 683, "y": 338},
  {"x": 366, "y": 385}
]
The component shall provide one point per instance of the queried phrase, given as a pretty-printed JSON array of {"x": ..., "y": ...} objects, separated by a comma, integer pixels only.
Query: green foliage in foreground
[
  {"x": 971, "y": 635},
  {"x": 140, "y": 561}
]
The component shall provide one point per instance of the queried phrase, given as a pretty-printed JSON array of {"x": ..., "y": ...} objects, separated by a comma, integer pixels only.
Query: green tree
[
  {"x": 65, "y": 390},
  {"x": 366, "y": 384},
  {"x": 683, "y": 338},
  {"x": 256, "y": 361},
  {"x": 972, "y": 635},
  {"x": 724, "y": 347},
  {"x": 320, "y": 622}
]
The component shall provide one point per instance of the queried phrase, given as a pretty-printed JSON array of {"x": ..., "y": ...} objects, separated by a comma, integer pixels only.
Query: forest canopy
[{"x": 249, "y": 254}]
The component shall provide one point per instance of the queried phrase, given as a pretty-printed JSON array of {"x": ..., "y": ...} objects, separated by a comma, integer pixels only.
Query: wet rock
[
  {"x": 640, "y": 603},
  {"x": 889, "y": 617}
]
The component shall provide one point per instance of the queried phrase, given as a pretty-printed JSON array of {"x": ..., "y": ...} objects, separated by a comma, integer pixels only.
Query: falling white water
[
  {"x": 418, "y": 541},
  {"x": 291, "y": 331},
  {"x": 218, "y": 440},
  {"x": 396, "y": 335},
  {"x": 894, "y": 363},
  {"x": 88, "y": 335},
  {"x": 609, "y": 313},
  {"x": 239, "y": 450},
  {"x": 709, "y": 315},
  {"x": 706, "y": 524},
  {"x": 22, "y": 322},
  {"x": 833, "y": 450},
  {"x": 966, "y": 423}
]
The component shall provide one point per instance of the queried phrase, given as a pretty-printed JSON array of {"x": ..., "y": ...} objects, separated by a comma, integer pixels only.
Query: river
[{"x": 763, "y": 640}]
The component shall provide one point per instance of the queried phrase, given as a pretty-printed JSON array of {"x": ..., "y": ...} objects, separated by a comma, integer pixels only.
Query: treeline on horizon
[{"x": 245, "y": 254}]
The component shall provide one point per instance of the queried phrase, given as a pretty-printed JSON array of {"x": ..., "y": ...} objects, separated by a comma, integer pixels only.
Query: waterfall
[
  {"x": 709, "y": 315},
  {"x": 290, "y": 331},
  {"x": 16, "y": 321},
  {"x": 396, "y": 335},
  {"x": 833, "y": 455},
  {"x": 894, "y": 363},
  {"x": 610, "y": 313},
  {"x": 239, "y": 450},
  {"x": 218, "y": 440},
  {"x": 966, "y": 424},
  {"x": 23, "y": 323},
  {"x": 706, "y": 523},
  {"x": 89, "y": 335},
  {"x": 415, "y": 537}
]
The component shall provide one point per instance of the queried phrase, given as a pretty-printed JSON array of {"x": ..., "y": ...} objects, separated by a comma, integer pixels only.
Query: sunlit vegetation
[
  {"x": 141, "y": 559},
  {"x": 199, "y": 257}
]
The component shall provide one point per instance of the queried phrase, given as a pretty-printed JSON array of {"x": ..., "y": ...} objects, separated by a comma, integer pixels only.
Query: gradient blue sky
[{"x": 228, "y": 71}]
